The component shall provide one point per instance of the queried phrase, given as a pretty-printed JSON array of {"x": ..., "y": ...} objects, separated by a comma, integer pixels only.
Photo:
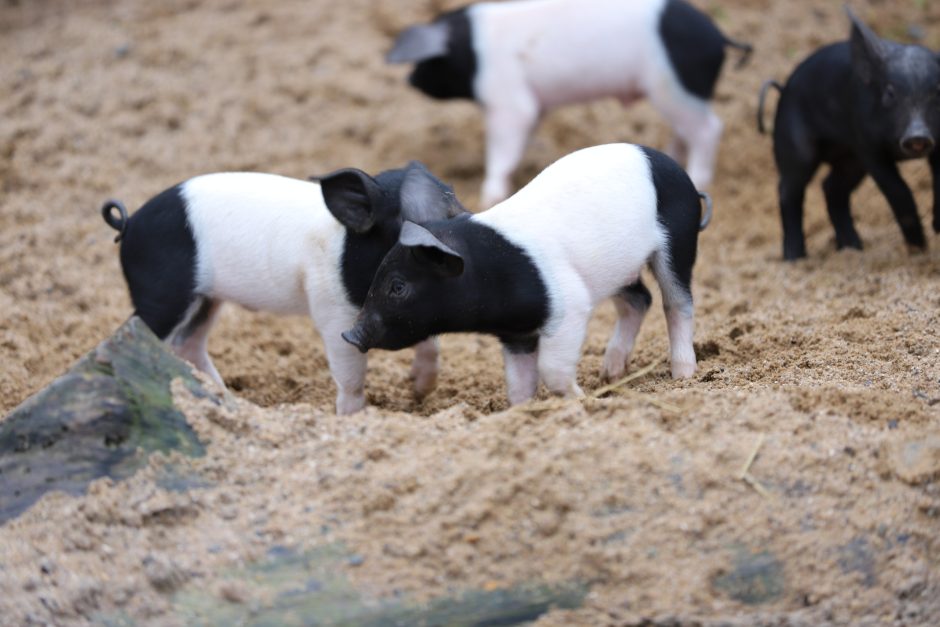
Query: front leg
[
  {"x": 348, "y": 367},
  {"x": 899, "y": 196},
  {"x": 935, "y": 173},
  {"x": 522, "y": 373},
  {"x": 559, "y": 354},
  {"x": 347, "y": 364},
  {"x": 509, "y": 122},
  {"x": 424, "y": 368}
]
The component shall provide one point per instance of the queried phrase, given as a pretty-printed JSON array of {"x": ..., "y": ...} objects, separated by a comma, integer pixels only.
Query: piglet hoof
[
  {"x": 347, "y": 404},
  {"x": 793, "y": 250},
  {"x": 518, "y": 398},
  {"x": 853, "y": 242},
  {"x": 424, "y": 382},
  {"x": 575, "y": 391},
  {"x": 915, "y": 249},
  {"x": 683, "y": 370},
  {"x": 615, "y": 365}
]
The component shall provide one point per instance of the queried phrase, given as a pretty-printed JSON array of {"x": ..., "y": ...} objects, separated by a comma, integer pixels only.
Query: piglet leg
[
  {"x": 680, "y": 325},
  {"x": 347, "y": 363},
  {"x": 190, "y": 341},
  {"x": 632, "y": 303},
  {"x": 522, "y": 374},
  {"x": 559, "y": 353},
  {"x": 935, "y": 172},
  {"x": 902, "y": 202},
  {"x": 675, "y": 286},
  {"x": 837, "y": 187},
  {"x": 696, "y": 126},
  {"x": 424, "y": 368},
  {"x": 508, "y": 126},
  {"x": 348, "y": 367}
]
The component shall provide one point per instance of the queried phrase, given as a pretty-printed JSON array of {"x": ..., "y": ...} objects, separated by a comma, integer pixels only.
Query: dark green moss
[
  {"x": 310, "y": 588},
  {"x": 103, "y": 418}
]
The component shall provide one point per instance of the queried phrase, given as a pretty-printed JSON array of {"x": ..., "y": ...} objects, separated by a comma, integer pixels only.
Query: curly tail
[
  {"x": 707, "y": 216},
  {"x": 745, "y": 48},
  {"x": 119, "y": 224},
  {"x": 760, "y": 103}
]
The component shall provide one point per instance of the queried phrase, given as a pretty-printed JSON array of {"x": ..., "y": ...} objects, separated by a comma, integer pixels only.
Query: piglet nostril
[{"x": 917, "y": 145}]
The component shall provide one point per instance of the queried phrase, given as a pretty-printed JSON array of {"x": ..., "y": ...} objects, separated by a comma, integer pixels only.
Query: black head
[
  {"x": 902, "y": 84},
  {"x": 411, "y": 295},
  {"x": 373, "y": 210},
  {"x": 443, "y": 54}
]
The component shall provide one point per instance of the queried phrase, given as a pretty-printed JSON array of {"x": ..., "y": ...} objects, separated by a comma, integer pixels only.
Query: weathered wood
[
  {"x": 100, "y": 419},
  {"x": 310, "y": 588}
]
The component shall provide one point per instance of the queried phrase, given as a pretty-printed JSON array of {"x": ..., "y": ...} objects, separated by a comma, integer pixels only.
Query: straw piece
[
  {"x": 751, "y": 457},
  {"x": 599, "y": 392}
]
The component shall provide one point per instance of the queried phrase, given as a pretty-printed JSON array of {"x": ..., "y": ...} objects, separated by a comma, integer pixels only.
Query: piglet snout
[
  {"x": 917, "y": 145},
  {"x": 917, "y": 140},
  {"x": 355, "y": 336}
]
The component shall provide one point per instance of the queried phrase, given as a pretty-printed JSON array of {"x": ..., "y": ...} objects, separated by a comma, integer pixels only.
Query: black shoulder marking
[
  {"x": 510, "y": 299},
  {"x": 362, "y": 255},
  {"x": 452, "y": 75},
  {"x": 695, "y": 46},
  {"x": 158, "y": 256},
  {"x": 678, "y": 209}
]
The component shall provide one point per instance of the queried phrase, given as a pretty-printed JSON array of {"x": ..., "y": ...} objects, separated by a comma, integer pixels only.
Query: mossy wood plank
[{"x": 101, "y": 419}]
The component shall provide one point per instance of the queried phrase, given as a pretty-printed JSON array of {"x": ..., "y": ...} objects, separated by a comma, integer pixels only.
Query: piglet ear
[
  {"x": 352, "y": 196},
  {"x": 418, "y": 43},
  {"x": 424, "y": 197},
  {"x": 868, "y": 50},
  {"x": 431, "y": 252}
]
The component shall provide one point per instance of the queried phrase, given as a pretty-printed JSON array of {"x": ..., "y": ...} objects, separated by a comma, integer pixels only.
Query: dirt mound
[{"x": 831, "y": 365}]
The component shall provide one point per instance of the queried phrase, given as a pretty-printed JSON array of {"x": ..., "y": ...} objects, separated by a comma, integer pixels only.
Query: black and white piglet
[
  {"x": 861, "y": 106},
  {"x": 276, "y": 244},
  {"x": 520, "y": 59},
  {"x": 532, "y": 269}
]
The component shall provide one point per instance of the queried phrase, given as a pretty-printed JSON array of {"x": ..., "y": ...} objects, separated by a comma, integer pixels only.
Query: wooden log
[
  {"x": 311, "y": 588},
  {"x": 100, "y": 419}
]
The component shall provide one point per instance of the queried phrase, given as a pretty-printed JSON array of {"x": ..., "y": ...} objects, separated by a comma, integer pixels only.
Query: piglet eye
[
  {"x": 396, "y": 288},
  {"x": 888, "y": 96}
]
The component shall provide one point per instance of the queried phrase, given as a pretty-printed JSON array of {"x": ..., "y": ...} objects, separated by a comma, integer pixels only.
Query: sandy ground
[{"x": 833, "y": 362}]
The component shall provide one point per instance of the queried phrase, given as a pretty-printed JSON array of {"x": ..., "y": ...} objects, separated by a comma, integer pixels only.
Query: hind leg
[
  {"x": 696, "y": 127},
  {"x": 838, "y": 186},
  {"x": 677, "y": 149},
  {"x": 190, "y": 340},
  {"x": 674, "y": 278},
  {"x": 632, "y": 303},
  {"x": 935, "y": 174},
  {"x": 797, "y": 157},
  {"x": 792, "y": 191}
]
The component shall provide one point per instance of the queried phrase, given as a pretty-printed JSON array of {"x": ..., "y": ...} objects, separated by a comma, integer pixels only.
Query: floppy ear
[
  {"x": 431, "y": 252},
  {"x": 352, "y": 196},
  {"x": 868, "y": 50},
  {"x": 423, "y": 197},
  {"x": 421, "y": 42}
]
